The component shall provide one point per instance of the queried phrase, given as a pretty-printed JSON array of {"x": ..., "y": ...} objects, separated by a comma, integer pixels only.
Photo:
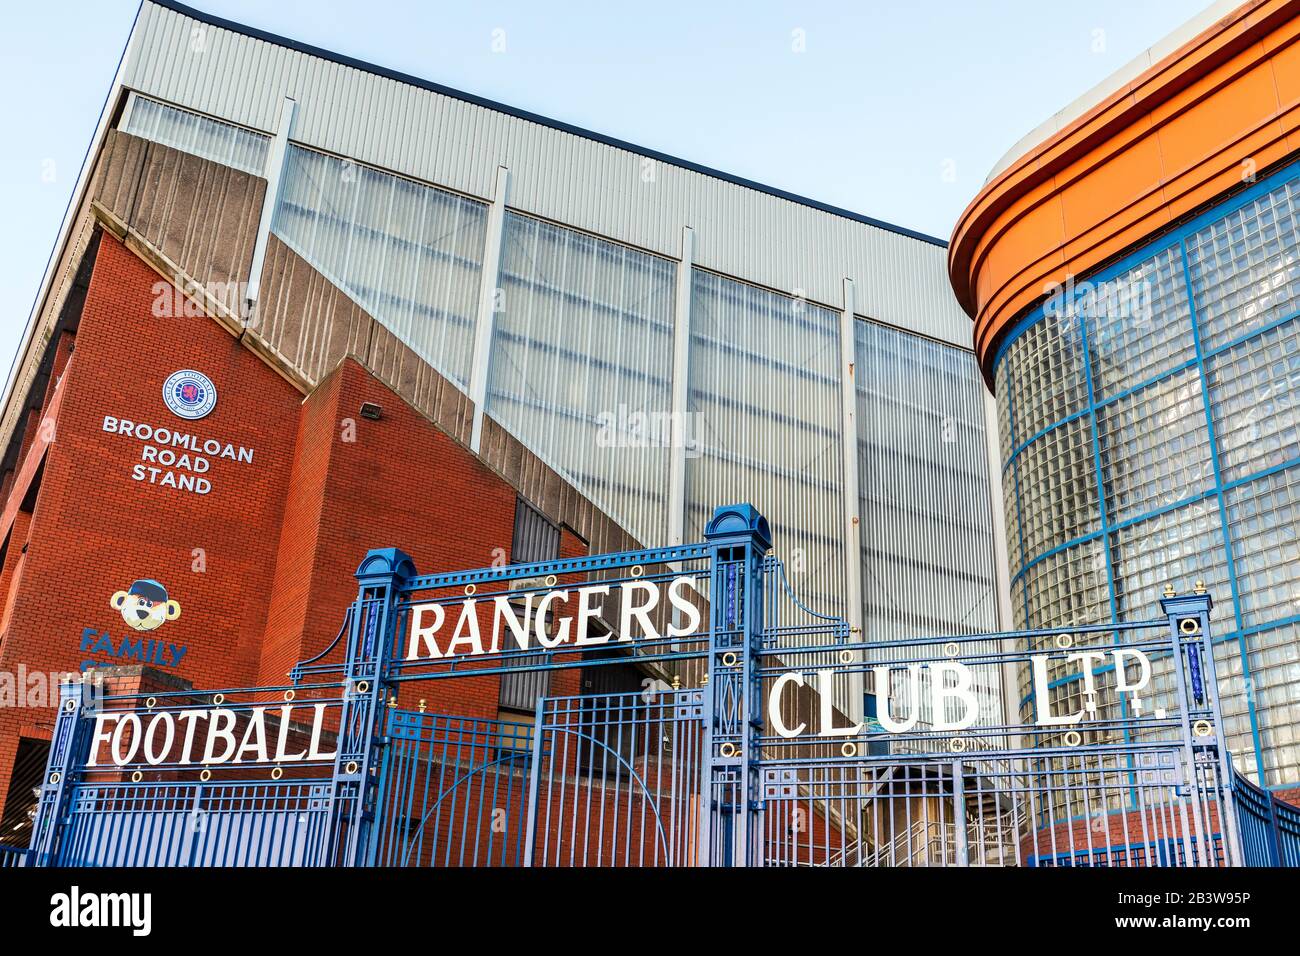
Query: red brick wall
[
  {"x": 1115, "y": 831},
  {"x": 398, "y": 482},
  {"x": 280, "y": 538},
  {"x": 95, "y": 529}
]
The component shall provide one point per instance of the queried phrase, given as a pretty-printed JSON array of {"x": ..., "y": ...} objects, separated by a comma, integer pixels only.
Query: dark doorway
[{"x": 20, "y": 802}]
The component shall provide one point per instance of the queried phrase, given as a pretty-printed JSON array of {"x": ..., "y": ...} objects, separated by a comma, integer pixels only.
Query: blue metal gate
[{"x": 765, "y": 734}]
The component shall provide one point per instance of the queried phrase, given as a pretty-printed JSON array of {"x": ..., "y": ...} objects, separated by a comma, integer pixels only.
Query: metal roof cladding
[{"x": 433, "y": 87}]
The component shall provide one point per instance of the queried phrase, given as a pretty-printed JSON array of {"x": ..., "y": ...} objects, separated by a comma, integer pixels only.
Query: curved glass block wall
[{"x": 1149, "y": 420}]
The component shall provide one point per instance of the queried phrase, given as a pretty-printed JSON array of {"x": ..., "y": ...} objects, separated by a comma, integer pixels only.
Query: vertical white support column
[
  {"x": 487, "y": 306},
  {"x": 849, "y": 482},
  {"x": 681, "y": 382},
  {"x": 274, "y": 176},
  {"x": 1001, "y": 561}
]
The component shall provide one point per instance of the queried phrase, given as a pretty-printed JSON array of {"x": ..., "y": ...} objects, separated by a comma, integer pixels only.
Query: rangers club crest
[{"x": 189, "y": 394}]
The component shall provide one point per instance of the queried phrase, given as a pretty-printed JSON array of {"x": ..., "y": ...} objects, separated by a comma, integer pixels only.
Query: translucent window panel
[
  {"x": 1139, "y": 324},
  {"x": 1179, "y": 547},
  {"x": 409, "y": 254},
  {"x": 1155, "y": 449},
  {"x": 1255, "y": 394},
  {"x": 926, "y": 516},
  {"x": 198, "y": 135},
  {"x": 1058, "y": 487},
  {"x": 582, "y": 366},
  {"x": 1274, "y": 657},
  {"x": 1045, "y": 375},
  {"x": 1263, "y": 517},
  {"x": 764, "y": 397},
  {"x": 1069, "y": 588},
  {"x": 1246, "y": 268}
]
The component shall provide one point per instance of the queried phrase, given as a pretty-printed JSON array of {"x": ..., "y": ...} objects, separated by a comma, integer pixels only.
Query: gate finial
[{"x": 740, "y": 519}]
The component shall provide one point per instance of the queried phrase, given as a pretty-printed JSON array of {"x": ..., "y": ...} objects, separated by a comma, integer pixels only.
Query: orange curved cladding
[{"x": 1188, "y": 129}]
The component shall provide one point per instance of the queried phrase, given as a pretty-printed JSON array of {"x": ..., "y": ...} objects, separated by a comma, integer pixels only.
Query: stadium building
[
  {"x": 1132, "y": 270},
  {"x": 303, "y": 306}
]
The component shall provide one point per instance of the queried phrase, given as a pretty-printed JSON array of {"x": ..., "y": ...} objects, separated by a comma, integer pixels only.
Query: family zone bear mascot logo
[
  {"x": 145, "y": 606},
  {"x": 189, "y": 394}
]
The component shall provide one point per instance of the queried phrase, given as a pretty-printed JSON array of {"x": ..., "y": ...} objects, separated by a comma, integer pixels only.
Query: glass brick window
[
  {"x": 1011, "y": 509},
  {"x": 1139, "y": 324},
  {"x": 1068, "y": 588},
  {"x": 1045, "y": 376},
  {"x": 1245, "y": 266},
  {"x": 1255, "y": 393},
  {"x": 1264, "y": 515},
  {"x": 1185, "y": 544},
  {"x": 1155, "y": 449},
  {"x": 1061, "y": 469},
  {"x": 1275, "y": 670}
]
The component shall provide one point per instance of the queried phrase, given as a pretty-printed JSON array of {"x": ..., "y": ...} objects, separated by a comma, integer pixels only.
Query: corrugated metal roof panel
[{"x": 558, "y": 173}]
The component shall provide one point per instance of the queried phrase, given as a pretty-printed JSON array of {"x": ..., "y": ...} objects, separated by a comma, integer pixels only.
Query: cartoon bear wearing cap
[{"x": 145, "y": 606}]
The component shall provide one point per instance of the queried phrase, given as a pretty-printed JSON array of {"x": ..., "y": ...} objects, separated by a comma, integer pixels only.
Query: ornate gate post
[
  {"x": 731, "y": 830},
  {"x": 69, "y": 750},
  {"x": 372, "y": 633},
  {"x": 1198, "y": 690}
]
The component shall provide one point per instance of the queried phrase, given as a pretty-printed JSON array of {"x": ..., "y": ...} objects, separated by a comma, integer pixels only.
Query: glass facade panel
[
  {"x": 408, "y": 253},
  {"x": 1139, "y": 324},
  {"x": 1155, "y": 449},
  {"x": 1169, "y": 478},
  {"x": 1183, "y": 545},
  {"x": 1062, "y": 470},
  {"x": 1011, "y": 511},
  {"x": 1245, "y": 266},
  {"x": 1275, "y": 675},
  {"x": 1255, "y": 393},
  {"x": 582, "y": 366},
  {"x": 189, "y": 132},
  {"x": 927, "y": 545},
  {"x": 1046, "y": 380},
  {"x": 764, "y": 399},
  {"x": 1264, "y": 515}
]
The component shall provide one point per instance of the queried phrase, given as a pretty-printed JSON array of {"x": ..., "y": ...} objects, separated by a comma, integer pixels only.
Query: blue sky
[{"x": 894, "y": 109}]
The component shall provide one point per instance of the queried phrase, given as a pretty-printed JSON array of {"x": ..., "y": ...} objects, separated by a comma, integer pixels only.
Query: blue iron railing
[
  {"x": 13, "y": 856},
  {"x": 1270, "y": 828},
  {"x": 775, "y": 743}
]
